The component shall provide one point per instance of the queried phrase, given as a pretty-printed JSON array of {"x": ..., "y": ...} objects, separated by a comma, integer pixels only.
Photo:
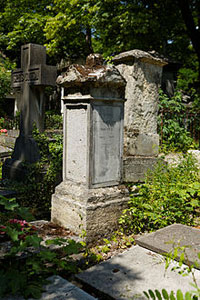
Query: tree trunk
[
  {"x": 193, "y": 31},
  {"x": 89, "y": 40}
]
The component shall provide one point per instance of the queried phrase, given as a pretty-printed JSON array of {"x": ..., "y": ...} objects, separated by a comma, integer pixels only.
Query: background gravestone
[
  {"x": 90, "y": 195},
  {"x": 29, "y": 83},
  {"x": 143, "y": 74}
]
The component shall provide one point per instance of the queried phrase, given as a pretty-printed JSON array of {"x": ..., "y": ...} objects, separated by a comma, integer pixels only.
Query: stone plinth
[
  {"x": 93, "y": 97},
  {"x": 97, "y": 210},
  {"x": 143, "y": 74}
]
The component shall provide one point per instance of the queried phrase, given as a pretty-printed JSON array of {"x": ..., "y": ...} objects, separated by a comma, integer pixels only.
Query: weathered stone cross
[{"x": 30, "y": 81}]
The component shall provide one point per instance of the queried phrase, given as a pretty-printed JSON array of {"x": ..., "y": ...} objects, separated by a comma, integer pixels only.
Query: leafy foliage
[
  {"x": 26, "y": 265},
  {"x": 178, "y": 253},
  {"x": 42, "y": 177},
  {"x": 166, "y": 296},
  {"x": 75, "y": 27},
  {"x": 5, "y": 77},
  {"x": 21, "y": 22},
  {"x": 53, "y": 120},
  {"x": 173, "y": 123},
  {"x": 170, "y": 194}
]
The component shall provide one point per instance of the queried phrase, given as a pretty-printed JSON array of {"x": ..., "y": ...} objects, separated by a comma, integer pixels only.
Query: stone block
[
  {"x": 177, "y": 235},
  {"x": 14, "y": 170},
  {"x": 143, "y": 145},
  {"x": 94, "y": 210},
  {"x": 135, "y": 168}
]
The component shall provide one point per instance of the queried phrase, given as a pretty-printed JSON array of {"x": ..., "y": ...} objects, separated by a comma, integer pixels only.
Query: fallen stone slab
[
  {"x": 127, "y": 275},
  {"x": 59, "y": 289},
  {"x": 166, "y": 239}
]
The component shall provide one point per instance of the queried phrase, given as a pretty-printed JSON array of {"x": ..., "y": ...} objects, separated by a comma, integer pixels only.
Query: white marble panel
[{"x": 76, "y": 144}]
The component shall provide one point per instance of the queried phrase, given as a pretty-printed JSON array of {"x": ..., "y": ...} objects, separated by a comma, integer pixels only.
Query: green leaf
[
  {"x": 25, "y": 214},
  {"x": 188, "y": 296},
  {"x": 146, "y": 294},
  {"x": 165, "y": 294},
  {"x": 72, "y": 247},
  {"x": 172, "y": 297},
  {"x": 33, "y": 240},
  {"x": 57, "y": 241},
  {"x": 47, "y": 255},
  {"x": 182, "y": 257},
  {"x": 179, "y": 295},
  {"x": 9, "y": 204},
  {"x": 12, "y": 233},
  {"x": 152, "y": 295},
  {"x": 34, "y": 289},
  {"x": 158, "y": 294}
]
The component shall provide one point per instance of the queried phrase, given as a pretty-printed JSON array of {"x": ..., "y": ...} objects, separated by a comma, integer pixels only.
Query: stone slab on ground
[
  {"x": 127, "y": 275},
  {"x": 4, "y": 149},
  {"x": 59, "y": 289},
  {"x": 166, "y": 239}
]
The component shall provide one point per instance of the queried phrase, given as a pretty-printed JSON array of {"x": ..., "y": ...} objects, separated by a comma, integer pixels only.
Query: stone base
[
  {"x": 136, "y": 167},
  {"x": 26, "y": 149},
  {"x": 14, "y": 169},
  {"x": 94, "y": 210}
]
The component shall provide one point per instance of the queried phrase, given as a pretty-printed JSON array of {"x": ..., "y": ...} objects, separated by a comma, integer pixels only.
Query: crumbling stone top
[
  {"x": 141, "y": 55},
  {"x": 93, "y": 71}
]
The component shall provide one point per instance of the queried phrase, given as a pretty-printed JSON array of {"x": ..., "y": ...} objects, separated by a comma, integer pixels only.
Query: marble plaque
[
  {"x": 76, "y": 144},
  {"x": 107, "y": 145}
]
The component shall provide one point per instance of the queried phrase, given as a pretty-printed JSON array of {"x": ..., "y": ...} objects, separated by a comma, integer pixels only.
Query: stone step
[
  {"x": 59, "y": 289},
  {"x": 176, "y": 235}
]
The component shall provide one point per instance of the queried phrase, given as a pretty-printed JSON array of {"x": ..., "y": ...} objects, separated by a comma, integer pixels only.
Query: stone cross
[
  {"x": 31, "y": 80},
  {"x": 29, "y": 83}
]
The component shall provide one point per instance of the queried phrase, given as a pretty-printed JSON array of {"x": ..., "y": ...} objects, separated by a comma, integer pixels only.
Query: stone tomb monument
[
  {"x": 143, "y": 73},
  {"x": 29, "y": 83},
  {"x": 90, "y": 194}
]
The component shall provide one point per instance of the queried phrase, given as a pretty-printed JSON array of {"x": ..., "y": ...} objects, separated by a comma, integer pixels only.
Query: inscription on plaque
[
  {"x": 107, "y": 144},
  {"x": 29, "y": 77}
]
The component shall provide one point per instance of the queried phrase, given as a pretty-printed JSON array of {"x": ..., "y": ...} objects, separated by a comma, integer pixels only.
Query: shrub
[
  {"x": 169, "y": 195},
  {"x": 5, "y": 77},
  {"x": 172, "y": 125},
  {"x": 53, "y": 120},
  {"x": 39, "y": 185},
  {"x": 27, "y": 263}
]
